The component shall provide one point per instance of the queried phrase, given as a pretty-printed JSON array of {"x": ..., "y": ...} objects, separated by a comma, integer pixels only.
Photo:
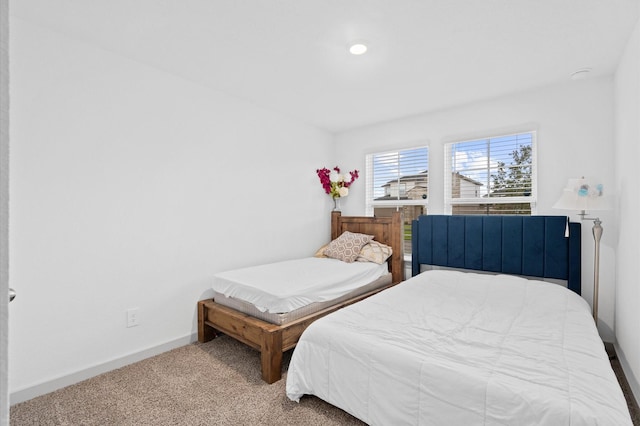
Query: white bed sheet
[
  {"x": 454, "y": 348},
  {"x": 288, "y": 285}
]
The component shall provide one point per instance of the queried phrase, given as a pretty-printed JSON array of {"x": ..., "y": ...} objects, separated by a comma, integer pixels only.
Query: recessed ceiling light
[
  {"x": 357, "y": 48},
  {"x": 581, "y": 74}
]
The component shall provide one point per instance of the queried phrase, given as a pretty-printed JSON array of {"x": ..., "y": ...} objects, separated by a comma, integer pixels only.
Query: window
[
  {"x": 398, "y": 180},
  {"x": 491, "y": 176}
]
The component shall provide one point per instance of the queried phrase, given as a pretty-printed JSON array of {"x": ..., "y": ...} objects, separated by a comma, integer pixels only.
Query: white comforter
[
  {"x": 288, "y": 285},
  {"x": 454, "y": 348}
]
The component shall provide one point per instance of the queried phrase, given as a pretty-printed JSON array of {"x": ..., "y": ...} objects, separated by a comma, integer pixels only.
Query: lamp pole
[{"x": 597, "y": 233}]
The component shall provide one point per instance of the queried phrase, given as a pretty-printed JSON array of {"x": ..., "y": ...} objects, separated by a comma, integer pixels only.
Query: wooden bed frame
[{"x": 273, "y": 340}]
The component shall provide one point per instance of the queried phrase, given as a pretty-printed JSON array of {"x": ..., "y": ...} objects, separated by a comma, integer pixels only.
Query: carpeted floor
[{"x": 216, "y": 383}]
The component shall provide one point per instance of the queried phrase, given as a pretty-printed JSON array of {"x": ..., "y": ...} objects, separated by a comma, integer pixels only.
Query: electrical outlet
[{"x": 133, "y": 317}]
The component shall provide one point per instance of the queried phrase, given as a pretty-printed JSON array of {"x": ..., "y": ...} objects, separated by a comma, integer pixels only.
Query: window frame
[
  {"x": 371, "y": 204},
  {"x": 370, "y": 201},
  {"x": 450, "y": 201}
]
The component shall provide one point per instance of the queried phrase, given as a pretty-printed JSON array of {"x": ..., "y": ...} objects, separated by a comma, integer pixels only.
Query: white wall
[
  {"x": 4, "y": 211},
  {"x": 627, "y": 158},
  {"x": 131, "y": 188},
  {"x": 575, "y": 138}
]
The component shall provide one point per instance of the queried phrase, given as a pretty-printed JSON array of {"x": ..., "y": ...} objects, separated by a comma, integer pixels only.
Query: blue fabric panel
[
  {"x": 415, "y": 250},
  {"x": 533, "y": 246},
  {"x": 456, "y": 242},
  {"x": 512, "y": 245},
  {"x": 439, "y": 231},
  {"x": 473, "y": 242},
  {"x": 556, "y": 251},
  {"x": 575, "y": 250},
  {"x": 492, "y": 243},
  {"x": 425, "y": 240}
]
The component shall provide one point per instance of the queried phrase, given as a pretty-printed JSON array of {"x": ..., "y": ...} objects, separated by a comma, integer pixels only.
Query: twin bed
[
  {"x": 511, "y": 342},
  {"x": 244, "y": 313}
]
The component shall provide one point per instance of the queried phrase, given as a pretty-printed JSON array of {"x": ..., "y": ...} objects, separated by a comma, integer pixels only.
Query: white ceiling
[{"x": 291, "y": 55}]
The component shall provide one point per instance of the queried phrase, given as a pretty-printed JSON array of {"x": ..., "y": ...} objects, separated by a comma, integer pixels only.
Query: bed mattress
[
  {"x": 449, "y": 347},
  {"x": 287, "y": 286},
  {"x": 287, "y": 317}
]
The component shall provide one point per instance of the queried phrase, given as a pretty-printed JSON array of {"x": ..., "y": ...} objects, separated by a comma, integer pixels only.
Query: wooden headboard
[
  {"x": 385, "y": 230},
  {"x": 533, "y": 246}
]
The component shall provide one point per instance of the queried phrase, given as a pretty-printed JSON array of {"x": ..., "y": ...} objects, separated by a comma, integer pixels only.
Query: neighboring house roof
[
  {"x": 390, "y": 198},
  {"x": 422, "y": 176},
  {"x": 468, "y": 179},
  {"x": 419, "y": 179}
]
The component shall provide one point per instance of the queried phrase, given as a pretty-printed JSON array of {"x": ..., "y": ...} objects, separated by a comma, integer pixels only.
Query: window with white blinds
[
  {"x": 495, "y": 175},
  {"x": 398, "y": 180},
  {"x": 398, "y": 177}
]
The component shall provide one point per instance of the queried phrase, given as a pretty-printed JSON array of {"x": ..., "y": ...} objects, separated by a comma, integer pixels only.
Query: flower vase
[{"x": 336, "y": 204}]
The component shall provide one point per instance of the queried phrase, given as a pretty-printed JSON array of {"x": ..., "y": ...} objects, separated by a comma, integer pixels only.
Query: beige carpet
[{"x": 216, "y": 383}]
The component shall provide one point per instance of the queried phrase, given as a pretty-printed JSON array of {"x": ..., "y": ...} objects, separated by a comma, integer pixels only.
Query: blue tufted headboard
[{"x": 520, "y": 245}]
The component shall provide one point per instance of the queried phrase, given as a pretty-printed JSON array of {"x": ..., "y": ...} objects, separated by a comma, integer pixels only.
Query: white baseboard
[{"x": 70, "y": 379}]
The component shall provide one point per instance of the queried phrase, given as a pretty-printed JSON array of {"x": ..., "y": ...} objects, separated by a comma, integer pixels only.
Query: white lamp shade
[{"x": 581, "y": 195}]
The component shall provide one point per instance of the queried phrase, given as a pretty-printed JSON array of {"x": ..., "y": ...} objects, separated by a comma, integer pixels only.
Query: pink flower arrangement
[{"x": 334, "y": 183}]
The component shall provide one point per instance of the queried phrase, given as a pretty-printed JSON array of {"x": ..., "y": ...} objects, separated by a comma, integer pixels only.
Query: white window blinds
[
  {"x": 491, "y": 175},
  {"x": 398, "y": 177}
]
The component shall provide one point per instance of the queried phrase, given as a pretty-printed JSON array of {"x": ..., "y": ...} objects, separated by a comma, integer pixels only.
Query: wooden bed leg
[
  {"x": 271, "y": 357},
  {"x": 205, "y": 333}
]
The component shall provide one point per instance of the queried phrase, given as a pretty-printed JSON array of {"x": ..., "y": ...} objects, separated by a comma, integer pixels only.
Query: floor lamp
[{"x": 582, "y": 196}]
